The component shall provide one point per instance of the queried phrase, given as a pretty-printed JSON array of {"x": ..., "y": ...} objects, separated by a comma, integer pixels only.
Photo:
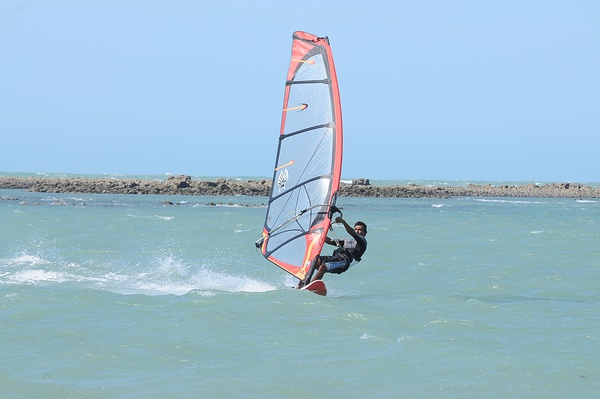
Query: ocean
[{"x": 116, "y": 296}]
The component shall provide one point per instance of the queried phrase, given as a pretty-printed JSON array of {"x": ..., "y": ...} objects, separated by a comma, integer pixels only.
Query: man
[{"x": 348, "y": 253}]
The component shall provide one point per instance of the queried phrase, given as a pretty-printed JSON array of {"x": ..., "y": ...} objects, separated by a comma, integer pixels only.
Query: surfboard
[
  {"x": 317, "y": 286},
  {"x": 308, "y": 163}
]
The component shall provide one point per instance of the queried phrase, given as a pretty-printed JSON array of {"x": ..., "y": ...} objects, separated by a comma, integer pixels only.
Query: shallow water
[{"x": 125, "y": 297}]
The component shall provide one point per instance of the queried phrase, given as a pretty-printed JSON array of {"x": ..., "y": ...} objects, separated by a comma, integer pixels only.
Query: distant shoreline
[{"x": 185, "y": 185}]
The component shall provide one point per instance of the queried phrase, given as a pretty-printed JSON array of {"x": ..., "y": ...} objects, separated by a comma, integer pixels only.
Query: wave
[
  {"x": 24, "y": 259},
  {"x": 151, "y": 217},
  {"x": 165, "y": 276},
  {"x": 508, "y": 201}
]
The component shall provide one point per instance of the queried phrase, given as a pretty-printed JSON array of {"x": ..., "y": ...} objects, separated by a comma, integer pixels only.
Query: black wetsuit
[{"x": 348, "y": 253}]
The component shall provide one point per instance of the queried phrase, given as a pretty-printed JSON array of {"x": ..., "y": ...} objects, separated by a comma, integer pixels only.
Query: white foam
[
  {"x": 138, "y": 217},
  {"x": 151, "y": 217},
  {"x": 366, "y": 336},
  {"x": 508, "y": 201},
  {"x": 169, "y": 276},
  {"x": 25, "y": 259},
  {"x": 32, "y": 276},
  {"x": 165, "y": 276}
]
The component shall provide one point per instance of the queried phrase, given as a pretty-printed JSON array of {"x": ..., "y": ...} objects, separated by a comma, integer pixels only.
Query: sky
[{"x": 431, "y": 90}]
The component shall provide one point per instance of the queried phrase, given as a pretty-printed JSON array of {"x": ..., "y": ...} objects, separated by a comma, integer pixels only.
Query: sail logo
[{"x": 282, "y": 179}]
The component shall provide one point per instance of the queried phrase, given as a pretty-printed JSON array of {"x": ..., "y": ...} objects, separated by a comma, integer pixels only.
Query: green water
[{"x": 125, "y": 297}]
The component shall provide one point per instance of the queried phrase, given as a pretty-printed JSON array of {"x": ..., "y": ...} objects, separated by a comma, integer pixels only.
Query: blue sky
[{"x": 434, "y": 90}]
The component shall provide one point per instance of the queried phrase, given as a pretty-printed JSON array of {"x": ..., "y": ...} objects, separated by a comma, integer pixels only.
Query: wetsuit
[{"x": 348, "y": 253}]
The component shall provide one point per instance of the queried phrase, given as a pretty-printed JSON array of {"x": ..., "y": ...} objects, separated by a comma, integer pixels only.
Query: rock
[
  {"x": 180, "y": 181},
  {"x": 361, "y": 182}
]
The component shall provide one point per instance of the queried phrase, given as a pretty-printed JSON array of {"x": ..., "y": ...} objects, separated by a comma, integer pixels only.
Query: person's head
[{"x": 360, "y": 228}]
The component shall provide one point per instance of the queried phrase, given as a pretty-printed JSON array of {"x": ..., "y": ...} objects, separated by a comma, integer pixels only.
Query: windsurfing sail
[{"x": 308, "y": 165}]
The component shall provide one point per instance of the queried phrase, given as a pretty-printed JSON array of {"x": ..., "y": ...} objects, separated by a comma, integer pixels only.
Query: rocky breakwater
[
  {"x": 362, "y": 188},
  {"x": 181, "y": 185},
  {"x": 185, "y": 185}
]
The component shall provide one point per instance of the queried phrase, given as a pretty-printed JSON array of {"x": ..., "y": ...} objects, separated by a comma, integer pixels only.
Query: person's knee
[{"x": 323, "y": 268}]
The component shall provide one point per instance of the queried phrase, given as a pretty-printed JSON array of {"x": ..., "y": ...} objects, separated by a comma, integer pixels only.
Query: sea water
[{"x": 116, "y": 296}]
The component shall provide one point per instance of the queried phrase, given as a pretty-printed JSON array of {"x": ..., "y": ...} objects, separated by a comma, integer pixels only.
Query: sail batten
[
  {"x": 323, "y": 81},
  {"x": 307, "y": 171},
  {"x": 303, "y": 185},
  {"x": 305, "y": 130}
]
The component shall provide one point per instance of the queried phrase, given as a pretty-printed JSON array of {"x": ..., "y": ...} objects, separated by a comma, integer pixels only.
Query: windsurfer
[{"x": 348, "y": 253}]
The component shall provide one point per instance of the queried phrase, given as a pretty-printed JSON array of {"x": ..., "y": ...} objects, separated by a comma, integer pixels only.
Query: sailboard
[
  {"x": 308, "y": 164},
  {"x": 316, "y": 286}
]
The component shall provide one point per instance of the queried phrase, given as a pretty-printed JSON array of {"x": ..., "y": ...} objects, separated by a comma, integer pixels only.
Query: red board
[{"x": 317, "y": 286}]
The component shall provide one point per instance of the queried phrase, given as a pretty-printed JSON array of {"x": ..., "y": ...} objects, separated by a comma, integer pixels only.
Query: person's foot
[{"x": 300, "y": 284}]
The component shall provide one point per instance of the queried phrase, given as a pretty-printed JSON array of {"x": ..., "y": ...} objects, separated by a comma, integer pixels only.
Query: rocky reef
[{"x": 185, "y": 185}]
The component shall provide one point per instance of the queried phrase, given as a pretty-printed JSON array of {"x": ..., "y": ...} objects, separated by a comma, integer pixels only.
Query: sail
[{"x": 308, "y": 165}]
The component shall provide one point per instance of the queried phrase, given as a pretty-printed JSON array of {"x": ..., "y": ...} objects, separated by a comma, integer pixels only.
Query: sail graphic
[{"x": 308, "y": 164}]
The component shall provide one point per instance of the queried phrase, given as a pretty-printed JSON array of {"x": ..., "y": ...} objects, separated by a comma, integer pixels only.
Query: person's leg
[
  {"x": 316, "y": 265},
  {"x": 321, "y": 272},
  {"x": 334, "y": 264}
]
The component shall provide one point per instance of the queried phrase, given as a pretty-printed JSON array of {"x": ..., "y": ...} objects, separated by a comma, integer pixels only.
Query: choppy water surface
[{"x": 128, "y": 297}]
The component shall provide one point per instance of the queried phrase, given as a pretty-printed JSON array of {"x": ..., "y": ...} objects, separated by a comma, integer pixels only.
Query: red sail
[{"x": 308, "y": 165}]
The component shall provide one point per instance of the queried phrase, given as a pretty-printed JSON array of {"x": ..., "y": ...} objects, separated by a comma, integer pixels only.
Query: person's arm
[
  {"x": 349, "y": 229},
  {"x": 330, "y": 241}
]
